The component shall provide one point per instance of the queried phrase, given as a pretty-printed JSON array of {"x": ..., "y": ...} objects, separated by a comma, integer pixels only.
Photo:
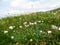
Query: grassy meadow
[{"x": 39, "y": 28}]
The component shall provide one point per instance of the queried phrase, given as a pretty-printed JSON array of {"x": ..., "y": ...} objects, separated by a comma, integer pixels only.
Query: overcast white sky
[{"x": 21, "y": 6}]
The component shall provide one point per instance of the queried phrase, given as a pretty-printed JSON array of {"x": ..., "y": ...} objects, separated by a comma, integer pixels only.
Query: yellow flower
[{"x": 31, "y": 40}]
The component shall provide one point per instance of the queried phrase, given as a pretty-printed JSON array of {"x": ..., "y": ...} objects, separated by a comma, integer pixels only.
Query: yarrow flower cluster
[
  {"x": 20, "y": 26},
  {"x": 11, "y": 27},
  {"x": 59, "y": 28},
  {"x": 34, "y": 23},
  {"x": 39, "y": 21},
  {"x": 41, "y": 31},
  {"x": 12, "y": 37},
  {"x": 31, "y": 23},
  {"x": 25, "y": 23},
  {"x": 49, "y": 31},
  {"x": 5, "y": 31},
  {"x": 54, "y": 27}
]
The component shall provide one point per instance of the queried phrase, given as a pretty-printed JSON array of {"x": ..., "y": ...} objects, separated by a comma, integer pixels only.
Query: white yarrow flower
[
  {"x": 25, "y": 23},
  {"x": 54, "y": 27},
  {"x": 39, "y": 21},
  {"x": 35, "y": 22},
  {"x": 49, "y": 31},
  {"x": 20, "y": 26},
  {"x": 59, "y": 28},
  {"x": 5, "y": 32},
  {"x": 31, "y": 23},
  {"x": 11, "y": 27},
  {"x": 12, "y": 37},
  {"x": 41, "y": 31}
]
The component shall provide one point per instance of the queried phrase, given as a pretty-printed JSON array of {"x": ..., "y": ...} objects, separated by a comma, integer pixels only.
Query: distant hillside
[{"x": 38, "y": 28}]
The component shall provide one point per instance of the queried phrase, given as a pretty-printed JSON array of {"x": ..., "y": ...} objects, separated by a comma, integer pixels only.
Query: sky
[{"x": 26, "y": 6}]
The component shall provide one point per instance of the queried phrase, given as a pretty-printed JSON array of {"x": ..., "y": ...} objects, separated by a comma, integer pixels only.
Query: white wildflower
[
  {"x": 49, "y": 31},
  {"x": 59, "y": 28},
  {"x": 11, "y": 27},
  {"x": 20, "y": 26},
  {"x": 40, "y": 30},
  {"x": 31, "y": 23},
  {"x": 25, "y": 23},
  {"x": 39, "y": 21},
  {"x": 35, "y": 22},
  {"x": 5, "y": 32},
  {"x": 12, "y": 37},
  {"x": 54, "y": 27}
]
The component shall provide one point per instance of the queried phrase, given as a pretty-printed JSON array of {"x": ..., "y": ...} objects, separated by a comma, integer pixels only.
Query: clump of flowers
[
  {"x": 49, "y": 31},
  {"x": 35, "y": 23},
  {"x": 12, "y": 37},
  {"x": 25, "y": 23},
  {"x": 39, "y": 21},
  {"x": 20, "y": 26},
  {"x": 5, "y": 31},
  {"x": 41, "y": 31},
  {"x": 31, "y": 23},
  {"x": 54, "y": 27},
  {"x": 59, "y": 28},
  {"x": 11, "y": 27}
]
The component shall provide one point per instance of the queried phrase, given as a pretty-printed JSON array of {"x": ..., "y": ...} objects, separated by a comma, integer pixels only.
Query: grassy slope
[{"x": 24, "y": 34}]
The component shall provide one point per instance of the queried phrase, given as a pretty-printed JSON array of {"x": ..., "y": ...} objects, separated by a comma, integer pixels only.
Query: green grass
[{"x": 31, "y": 34}]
